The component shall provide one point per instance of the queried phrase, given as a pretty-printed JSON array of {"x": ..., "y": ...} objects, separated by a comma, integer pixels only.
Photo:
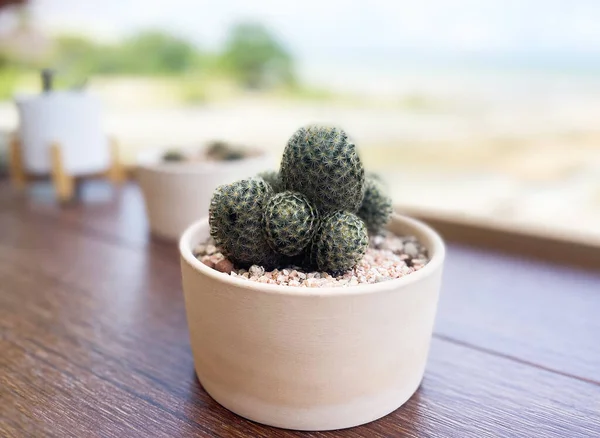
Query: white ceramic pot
[
  {"x": 70, "y": 119},
  {"x": 177, "y": 194},
  {"x": 311, "y": 359}
]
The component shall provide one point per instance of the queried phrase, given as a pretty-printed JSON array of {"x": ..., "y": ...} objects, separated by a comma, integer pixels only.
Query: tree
[
  {"x": 256, "y": 58},
  {"x": 156, "y": 52}
]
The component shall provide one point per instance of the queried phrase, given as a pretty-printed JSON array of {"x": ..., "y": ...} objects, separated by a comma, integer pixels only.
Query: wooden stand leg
[
  {"x": 17, "y": 172},
  {"x": 116, "y": 173},
  {"x": 63, "y": 183}
]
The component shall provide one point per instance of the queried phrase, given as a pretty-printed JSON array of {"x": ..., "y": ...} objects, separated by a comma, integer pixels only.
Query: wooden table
[{"x": 94, "y": 339}]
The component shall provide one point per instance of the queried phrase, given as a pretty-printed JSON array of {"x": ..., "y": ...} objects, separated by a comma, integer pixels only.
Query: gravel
[{"x": 388, "y": 257}]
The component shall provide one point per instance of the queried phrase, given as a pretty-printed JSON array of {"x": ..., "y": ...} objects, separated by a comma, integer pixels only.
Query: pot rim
[
  {"x": 149, "y": 160},
  {"x": 437, "y": 248}
]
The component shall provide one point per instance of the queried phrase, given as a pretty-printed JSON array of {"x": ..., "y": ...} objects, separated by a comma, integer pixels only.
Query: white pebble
[
  {"x": 411, "y": 249},
  {"x": 257, "y": 271},
  {"x": 385, "y": 260}
]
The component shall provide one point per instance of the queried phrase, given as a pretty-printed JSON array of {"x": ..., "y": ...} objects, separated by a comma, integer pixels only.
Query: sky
[{"x": 325, "y": 27}]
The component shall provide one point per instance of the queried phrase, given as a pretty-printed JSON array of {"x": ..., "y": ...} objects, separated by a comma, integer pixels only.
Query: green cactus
[
  {"x": 173, "y": 155},
  {"x": 323, "y": 164},
  {"x": 220, "y": 150},
  {"x": 236, "y": 218},
  {"x": 290, "y": 222},
  {"x": 376, "y": 208},
  {"x": 316, "y": 212},
  {"x": 340, "y": 242},
  {"x": 377, "y": 177},
  {"x": 272, "y": 177},
  {"x": 233, "y": 156}
]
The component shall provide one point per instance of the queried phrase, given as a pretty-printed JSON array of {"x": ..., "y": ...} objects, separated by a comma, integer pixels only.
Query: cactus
[
  {"x": 377, "y": 177},
  {"x": 323, "y": 164},
  {"x": 220, "y": 150},
  {"x": 237, "y": 223},
  {"x": 376, "y": 208},
  {"x": 316, "y": 212},
  {"x": 272, "y": 178},
  {"x": 173, "y": 155},
  {"x": 290, "y": 222},
  {"x": 340, "y": 242}
]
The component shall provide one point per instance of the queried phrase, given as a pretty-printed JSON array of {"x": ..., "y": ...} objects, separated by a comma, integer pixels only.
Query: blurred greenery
[
  {"x": 9, "y": 78},
  {"x": 256, "y": 58},
  {"x": 147, "y": 53},
  {"x": 252, "y": 58}
]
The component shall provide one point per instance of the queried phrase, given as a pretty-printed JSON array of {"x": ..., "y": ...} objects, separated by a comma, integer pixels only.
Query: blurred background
[{"x": 485, "y": 110}]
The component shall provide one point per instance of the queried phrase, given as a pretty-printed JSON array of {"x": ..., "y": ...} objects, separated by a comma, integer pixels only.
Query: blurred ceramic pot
[
  {"x": 69, "y": 119},
  {"x": 178, "y": 193},
  {"x": 311, "y": 359}
]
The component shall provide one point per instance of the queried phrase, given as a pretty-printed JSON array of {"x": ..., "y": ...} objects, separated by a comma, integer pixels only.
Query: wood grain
[
  {"x": 94, "y": 339},
  {"x": 506, "y": 304}
]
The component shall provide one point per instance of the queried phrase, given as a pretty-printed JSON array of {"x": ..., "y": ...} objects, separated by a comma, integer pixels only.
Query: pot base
[{"x": 313, "y": 419}]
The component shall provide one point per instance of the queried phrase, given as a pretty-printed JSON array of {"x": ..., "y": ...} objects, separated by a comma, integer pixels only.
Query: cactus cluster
[
  {"x": 223, "y": 151},
  {"x": 340, "y": 243},
  {"x": 272, "y": 178},
  {"x": 317, "y": 211},
  {"x": 290, "y": 222},
  {"x": 173, "y": 155},
  {"x": 215, "y": 151},
  {"x": 323, "y": 164},
  {"x": 376, "y": 207},
  {"x": 237, "y": 224}
]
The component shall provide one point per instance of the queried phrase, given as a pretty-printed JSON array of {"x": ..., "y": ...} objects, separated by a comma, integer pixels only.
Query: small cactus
[
  {"x": 220, "y": 150},
  {"x": 340, "y": 242},
  {"x": 272, "y": 178},
  {"x": 316, "y": 212},
  {"x": 323, "y": 164},
  {"x": 290, "y": 222},
  {"x": 376, "y": 208},
  {"x": 236, "y": 218},
  {"x": 173, "y": 155}
]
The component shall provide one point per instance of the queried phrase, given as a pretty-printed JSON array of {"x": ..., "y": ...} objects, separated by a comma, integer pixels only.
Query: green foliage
[
  {"x": 156, "y": 52},
  {"x": 252, "y": 57},
  {"x": 147, "y": 53},
  {"x": 272, "y": 178},
  {"x": 192, "y": 90},
  {"x": 376, "y": 208},
  {"x": 9, "y": 78},
  {"x": 236, "y": 218},
  {"x": 340, "y": 242},
  {"x": 323, "y": 164},
  {"x": 290, "y": 222},
  {"x": 256, "y": 58}
]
